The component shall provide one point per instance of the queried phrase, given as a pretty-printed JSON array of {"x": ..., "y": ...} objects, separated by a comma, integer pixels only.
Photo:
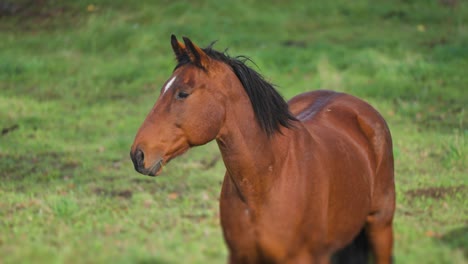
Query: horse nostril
[{"x": 139, "y": 157}]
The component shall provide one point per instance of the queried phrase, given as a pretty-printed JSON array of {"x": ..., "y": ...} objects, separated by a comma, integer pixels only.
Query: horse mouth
[{"x": 156, "y": 169}]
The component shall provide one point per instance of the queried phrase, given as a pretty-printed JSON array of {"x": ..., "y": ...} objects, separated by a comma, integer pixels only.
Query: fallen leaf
[
  {"x": 421, "y": 28},
  {"x": 91, "y": 8},
  {"x": 173, "y": 195},
  {"x": 430, "y": 233}
]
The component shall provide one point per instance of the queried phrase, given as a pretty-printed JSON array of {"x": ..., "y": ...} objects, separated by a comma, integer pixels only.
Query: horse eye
[{"x": 182, "y": 95}]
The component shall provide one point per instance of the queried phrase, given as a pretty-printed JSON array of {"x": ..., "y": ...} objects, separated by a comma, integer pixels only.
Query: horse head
[{"x": 189, "y": 111}]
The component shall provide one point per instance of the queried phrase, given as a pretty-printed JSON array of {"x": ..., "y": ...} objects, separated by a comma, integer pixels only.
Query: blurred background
[{"x": 77, "y": 78}]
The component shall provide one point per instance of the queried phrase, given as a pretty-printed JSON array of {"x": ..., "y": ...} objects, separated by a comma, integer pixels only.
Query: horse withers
[{"x": 307, "y": 181}]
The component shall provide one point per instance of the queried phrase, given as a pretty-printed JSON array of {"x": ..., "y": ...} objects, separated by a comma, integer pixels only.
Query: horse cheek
[{"x": 206, "y": 125}]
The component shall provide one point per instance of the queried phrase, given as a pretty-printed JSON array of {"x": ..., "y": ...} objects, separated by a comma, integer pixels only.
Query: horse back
[
  {"x": 328, "y": 113},
  {"x": 338, "y": 110}
]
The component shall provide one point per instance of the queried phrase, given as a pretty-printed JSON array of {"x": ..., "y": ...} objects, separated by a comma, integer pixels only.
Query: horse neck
[{"x": 252, "y": 159}]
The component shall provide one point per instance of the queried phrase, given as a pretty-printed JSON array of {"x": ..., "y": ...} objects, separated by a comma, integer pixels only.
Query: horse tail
[{"x": 357, "y": 252}]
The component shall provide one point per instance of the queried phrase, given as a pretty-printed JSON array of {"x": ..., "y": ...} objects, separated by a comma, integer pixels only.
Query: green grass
[{"x": 76, "y": 81}]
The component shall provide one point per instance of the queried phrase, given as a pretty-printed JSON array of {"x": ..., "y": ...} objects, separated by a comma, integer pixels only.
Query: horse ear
[
  {"x": 196, "y": 54},
  {"x": 179, "y": 49}
]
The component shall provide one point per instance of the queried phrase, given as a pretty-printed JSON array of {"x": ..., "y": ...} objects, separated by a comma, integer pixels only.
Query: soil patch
[
  {"x": 7, "y": 130},
  {"x": 126, "y": 194},
  {"x": 37, "y": 14},
  {"x": 436, "y": 192},
  {"x": 39, "y": 166}
]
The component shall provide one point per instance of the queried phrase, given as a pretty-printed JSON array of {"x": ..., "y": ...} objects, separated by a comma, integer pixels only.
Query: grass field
[{"x": 77, "y": 79}]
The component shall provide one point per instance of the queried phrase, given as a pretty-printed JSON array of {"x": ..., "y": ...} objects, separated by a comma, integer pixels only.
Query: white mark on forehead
[{"x": 168, "y": 85}]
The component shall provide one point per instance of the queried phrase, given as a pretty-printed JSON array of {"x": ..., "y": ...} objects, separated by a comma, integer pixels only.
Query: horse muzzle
[{"x": 138, "y": 159}]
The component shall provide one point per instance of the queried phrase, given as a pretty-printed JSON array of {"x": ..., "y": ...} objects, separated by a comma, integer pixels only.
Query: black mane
[{"x": 271, "y": 110}]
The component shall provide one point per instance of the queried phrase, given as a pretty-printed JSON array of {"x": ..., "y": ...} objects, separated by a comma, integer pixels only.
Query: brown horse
[{"x": 304, "y": 179}]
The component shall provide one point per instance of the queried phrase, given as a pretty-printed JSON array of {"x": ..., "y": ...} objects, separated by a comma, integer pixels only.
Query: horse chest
[
  {"x": 238, "y": 229},
  {"x": 255, "y": 236},
  {"x": 249, "y": 239}
]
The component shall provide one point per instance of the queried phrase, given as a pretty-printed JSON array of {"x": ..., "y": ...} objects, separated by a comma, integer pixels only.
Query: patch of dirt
[
  {"x": 18, "y": 167},
  {"x": 126, "y": 194},
  {"x": 7, "y": 130},
  {"x": 28, "y": 8},
  {"x": 36, "y": 14},
  {"x": 142, "y": 180},
  {"x": 448, "y": 3},
  {"x": 436, "y": 192},
  {"x": 397, "y": 14},
  {"x": 435, "y": 42},
  {"x": 294, "y": 43}
]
